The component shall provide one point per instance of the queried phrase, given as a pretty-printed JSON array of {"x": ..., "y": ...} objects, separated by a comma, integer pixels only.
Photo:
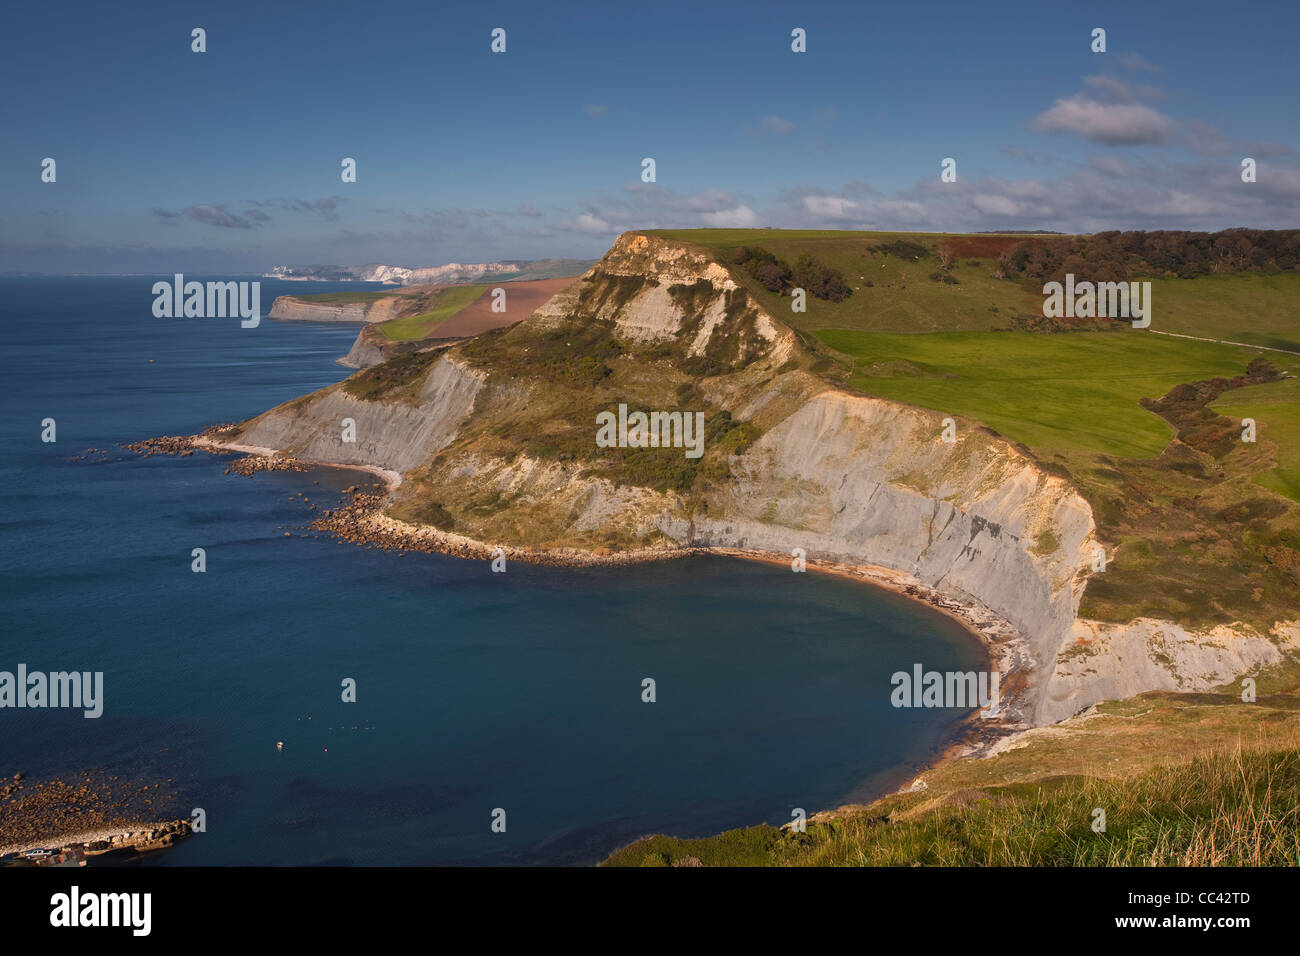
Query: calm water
[{"x": 475, "y": 690}]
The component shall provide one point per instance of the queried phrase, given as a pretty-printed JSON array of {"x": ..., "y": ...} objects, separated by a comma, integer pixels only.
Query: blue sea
[{"x": 475, "y": 691}]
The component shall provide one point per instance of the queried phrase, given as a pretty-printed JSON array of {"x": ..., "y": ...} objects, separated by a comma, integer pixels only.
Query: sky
[{"x": 230, "y": 160}]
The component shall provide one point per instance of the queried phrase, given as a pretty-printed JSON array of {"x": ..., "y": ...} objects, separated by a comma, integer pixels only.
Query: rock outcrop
[
  {"x": 367, "y": 351},
  {"x": 1113, "y": 661},
  {"x": 394, "y": 437}
]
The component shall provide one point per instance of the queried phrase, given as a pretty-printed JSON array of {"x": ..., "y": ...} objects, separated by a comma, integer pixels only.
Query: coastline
[
  {"x": 140, "y": 836},
  {"x": 92, "y": 813},
  {"x": 392, "y": 480},
  {"x": 362, "y": 521}
]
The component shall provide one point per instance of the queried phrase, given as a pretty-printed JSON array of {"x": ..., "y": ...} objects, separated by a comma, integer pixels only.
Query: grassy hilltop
[
  {"x": 1255, "y": 307},
  {"x": 1201, "y": 528}
]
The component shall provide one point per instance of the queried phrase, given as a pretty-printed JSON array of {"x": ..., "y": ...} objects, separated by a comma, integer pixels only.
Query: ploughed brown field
[{"x": 522, "y": 299}]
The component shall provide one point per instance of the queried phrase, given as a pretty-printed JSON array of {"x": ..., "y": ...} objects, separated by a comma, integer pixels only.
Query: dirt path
[{"x": 1244, "y": 345}]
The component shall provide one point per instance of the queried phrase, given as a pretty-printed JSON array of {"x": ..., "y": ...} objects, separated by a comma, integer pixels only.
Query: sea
[{"x": 499, "y": 718}]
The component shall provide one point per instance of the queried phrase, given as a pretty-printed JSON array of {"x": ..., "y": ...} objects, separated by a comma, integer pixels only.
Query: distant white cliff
[{"x": 450, "y": 274}]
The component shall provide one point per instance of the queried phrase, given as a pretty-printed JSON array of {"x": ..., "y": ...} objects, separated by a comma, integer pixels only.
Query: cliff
[
  {"x": 371, "y": 347},
  {"x": 495, "y": 438},
  {"x": 380, "y": 309}
]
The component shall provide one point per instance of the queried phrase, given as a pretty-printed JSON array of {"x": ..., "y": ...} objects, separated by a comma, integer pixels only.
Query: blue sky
[{"x": 229, "y": 160}]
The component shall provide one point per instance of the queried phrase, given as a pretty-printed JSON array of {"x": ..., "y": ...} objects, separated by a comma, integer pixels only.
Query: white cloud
[
  {"x": 1112, "y": 124},
  {"x": 742, "y": 217},
  {"x": 830, "y": 207},
  {"x": 591, "y": 223},
  {"x": 995, "y": 205}
]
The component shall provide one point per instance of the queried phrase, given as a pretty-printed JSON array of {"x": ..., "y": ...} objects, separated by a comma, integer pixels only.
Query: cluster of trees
[
  {"x": 903, "y": 249},
  {"x": 817, "y": 279},
  {"x": 1118, "y": 256}
]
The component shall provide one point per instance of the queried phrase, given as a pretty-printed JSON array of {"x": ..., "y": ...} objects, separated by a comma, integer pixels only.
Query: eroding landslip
[{"x": 495, "y": 441}]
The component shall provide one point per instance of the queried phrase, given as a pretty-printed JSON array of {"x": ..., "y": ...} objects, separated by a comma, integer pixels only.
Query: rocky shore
[
  {"x": 183, "y": 446},
  {"x": 93, "y": 813}
]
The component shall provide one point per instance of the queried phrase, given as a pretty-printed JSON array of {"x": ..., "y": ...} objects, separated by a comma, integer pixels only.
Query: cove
[{"x": 475, "y": 690}]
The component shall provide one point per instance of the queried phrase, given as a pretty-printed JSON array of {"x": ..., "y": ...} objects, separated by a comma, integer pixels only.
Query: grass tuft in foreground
[{"x": 1231, "y": 808}]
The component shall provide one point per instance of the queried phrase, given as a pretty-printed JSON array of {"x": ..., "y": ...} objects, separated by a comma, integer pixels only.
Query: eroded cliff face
[
  {"x": 371, "y": 347},
  {"x": 860, "y": 480},
  {"x": 491, "y": 434},
  {"x": 380, "y": 310},
  {"x": 392, "y": 436},
  {"x": 366, "y": 351},
  {"x": 1100, "y": 661}
]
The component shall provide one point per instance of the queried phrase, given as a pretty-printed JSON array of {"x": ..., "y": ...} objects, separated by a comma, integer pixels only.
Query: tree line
[
  {"x": 775, "y": 275},
  {"x": 1119, "y": 256}
]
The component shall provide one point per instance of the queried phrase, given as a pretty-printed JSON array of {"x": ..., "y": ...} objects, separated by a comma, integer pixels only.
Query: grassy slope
[
  {"x": 1185, "y": 779},
  {"x": 902, "y": 297},
  {"x": 449, "y": 301},
  {"x": 1255, "y": 309},
  {"x": 1276, "y": 410},
  {"x": 1054, "y": 392},
  {"x": 438, "y": 306}
]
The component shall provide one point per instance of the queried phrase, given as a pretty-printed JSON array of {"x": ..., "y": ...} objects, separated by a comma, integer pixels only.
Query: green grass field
[
  {"x": 1077, "y": 391},
  {"x": 1255, "y": 309},
  {"x": 1276, "y": 410},
  {"x": 450, "y": 301}
]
